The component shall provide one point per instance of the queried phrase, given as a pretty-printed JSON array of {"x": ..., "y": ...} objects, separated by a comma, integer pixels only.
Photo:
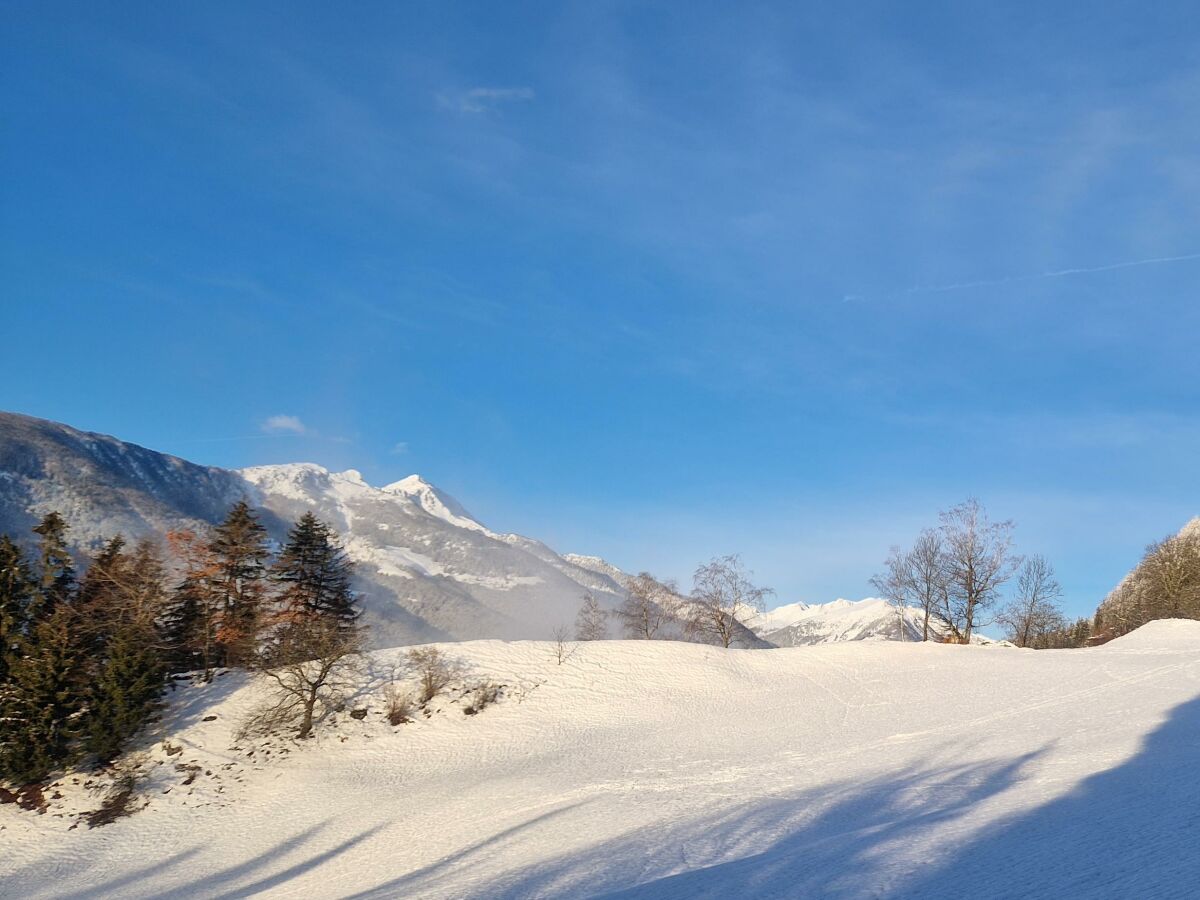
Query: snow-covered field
[{"x": 646, "y": 769}]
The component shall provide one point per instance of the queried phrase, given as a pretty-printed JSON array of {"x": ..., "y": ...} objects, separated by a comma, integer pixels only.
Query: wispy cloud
[
  {"x": 1034, "y": 276},
  {"x": 484, "y": 99},
  {"x": 399, "y": 448},
  {"x": 283, "y": 424}
]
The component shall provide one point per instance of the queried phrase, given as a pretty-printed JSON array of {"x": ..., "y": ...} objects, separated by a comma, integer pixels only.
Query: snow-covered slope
[
  {"x": 661, "y": 770},
  {"x": 872, "y": 619},
  {"x": 426, "y": 569}
]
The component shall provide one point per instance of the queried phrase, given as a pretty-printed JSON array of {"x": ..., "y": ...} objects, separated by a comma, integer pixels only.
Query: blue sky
[{"x": 652, "y": 281}]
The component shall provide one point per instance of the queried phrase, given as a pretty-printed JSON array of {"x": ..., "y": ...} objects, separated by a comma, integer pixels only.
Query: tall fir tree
[
  {"x": 315, "y": 574},
  {"x": 43, "y": 705},
  {"x": 17, "y": 590},
  {"x": 239, "y": 548},
  {"x": 99, "y": 591},
  {"x": 122, "y": 598},
  {"x": 56, "y": 570},
  {"x": 126, "y": 690},
  {"x": 191, "y": 619}
]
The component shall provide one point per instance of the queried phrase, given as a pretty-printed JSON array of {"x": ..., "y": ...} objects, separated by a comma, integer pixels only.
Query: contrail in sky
[{"x": 1011, "y": 279}]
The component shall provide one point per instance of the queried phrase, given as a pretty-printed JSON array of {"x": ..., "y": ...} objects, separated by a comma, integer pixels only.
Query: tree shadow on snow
[
  {"x": 783, "y": 847},
  {"x": 1131, "y": 831}
]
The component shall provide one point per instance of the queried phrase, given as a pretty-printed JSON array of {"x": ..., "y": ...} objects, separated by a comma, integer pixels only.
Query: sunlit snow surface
[{"x": 646, "y": 769}]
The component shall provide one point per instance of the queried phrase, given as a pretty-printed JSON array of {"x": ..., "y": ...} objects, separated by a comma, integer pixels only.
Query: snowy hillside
[
  {"x": 427, "y": 570},
  {"x": 662, "y": 770},
  {"x": 426, "y": 567},
  {"x": 799, "y": 624}
]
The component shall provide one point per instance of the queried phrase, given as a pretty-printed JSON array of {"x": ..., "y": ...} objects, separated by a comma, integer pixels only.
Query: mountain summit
[{"x": 425, "y": 568}]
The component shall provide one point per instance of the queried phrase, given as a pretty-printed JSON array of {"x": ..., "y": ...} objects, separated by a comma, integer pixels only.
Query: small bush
[
  {"x": 398, "y": 704},
  {"x": 483, "y": 696},
  {"x": 435, "y": 671}
]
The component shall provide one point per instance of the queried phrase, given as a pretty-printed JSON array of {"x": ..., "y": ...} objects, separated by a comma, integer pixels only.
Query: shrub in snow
[
  {"x": 482, "y": 696},
  {"x": 435, "y": 671},
  {"x": 398, "y": 704}
]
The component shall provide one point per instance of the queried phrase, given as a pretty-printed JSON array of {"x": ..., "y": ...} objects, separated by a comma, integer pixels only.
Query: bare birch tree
[
  {"x": 895, "y": 584},
  {"x": 1034, "y": 612},
  {"x": 723, "y": 598},
  {"x": 650, "y": 607},
  {"x": 978, "y": 561},
  {"x": 927, "y": 569},
  {"x": 592, "y": 622}
]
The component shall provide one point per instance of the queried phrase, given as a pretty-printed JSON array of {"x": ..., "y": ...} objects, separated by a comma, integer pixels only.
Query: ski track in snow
[{"x": 663, "y": 770}]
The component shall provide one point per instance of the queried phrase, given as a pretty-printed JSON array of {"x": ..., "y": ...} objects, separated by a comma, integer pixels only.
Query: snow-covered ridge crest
[
  {"x": 869, "y": 619},
  {"x": 435, "y": 502},
  {"x": 429, "y": 569}
]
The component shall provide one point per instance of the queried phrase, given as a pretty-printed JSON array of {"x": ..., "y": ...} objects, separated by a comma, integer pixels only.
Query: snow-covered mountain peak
[
  {"x": 434, "y": 501},
  {"x": 779, "y": 617},
  {"x": 838, "y": 620}
]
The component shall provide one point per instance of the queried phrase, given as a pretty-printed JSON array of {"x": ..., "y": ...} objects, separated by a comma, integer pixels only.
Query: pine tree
[
  {"x": 17, "y": 587},
  {"x": 315, "y": 574},
  {"x": 126, "y": 690},
  {"x": 191, "y": 619},
  {"x": 239, "y": 548},
  {"x": 43, "y": 704},
  {"x": 56, "y": 571},
  {"x": 98, "y": 593}
]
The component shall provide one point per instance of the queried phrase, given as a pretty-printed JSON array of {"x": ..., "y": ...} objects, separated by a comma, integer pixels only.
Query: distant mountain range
[
  {"x": 426, "y": 569},
  {"x": 872, "y": 619}
]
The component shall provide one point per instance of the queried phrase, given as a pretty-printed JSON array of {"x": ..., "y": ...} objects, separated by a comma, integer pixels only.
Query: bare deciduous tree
[
  {"x": 1034, "y": 612},
  {"x": 927, "y": 570},
  {"x": 723, "y": 598},
  {"x": 308, "y": 662},
  {"x": 895, "y": 584},
  {"x": 592, "y": 622},
  {"x": 650, "y": 607},
  {"x": 563, "y": 648},
  {"x": 978, "y": 561},
  {"x": 1171, "y": 576}
]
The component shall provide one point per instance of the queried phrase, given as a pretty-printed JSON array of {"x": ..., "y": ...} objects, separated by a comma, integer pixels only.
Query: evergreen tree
[
  {"x": 239, "y": 549},
  {"x": 17, "y": 587},
  {"x": 315, "y": 574},
  {"x": 98, "y": 594},
  {"x": 192, "y": 616},
  {"x": 126, "y": 690},
  {"x": 43, "y": 704},
  {"x": 56, "y": 571}
]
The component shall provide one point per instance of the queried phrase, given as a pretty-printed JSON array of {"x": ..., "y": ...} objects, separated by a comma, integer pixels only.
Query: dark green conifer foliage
[
  {"x": 17, "y": 587},
  {"x": 239, "y": 547},
  {"x": 99, "y": 592},
  {"x": 126, "y": 691},
  {"x": 315, "y": 574},
  {"x": 56, "y": 571},
  {"x": 125, "y": 597},
  {"x": 43, "y": 704}
]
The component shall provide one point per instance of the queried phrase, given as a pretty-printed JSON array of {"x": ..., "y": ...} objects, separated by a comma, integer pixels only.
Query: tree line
[
  {"x": 723, "y": 601},
  {"x": 1165, "y": 584},
  {"x": 956, "y": 573},
  {"x": 85, "y": 658}
]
